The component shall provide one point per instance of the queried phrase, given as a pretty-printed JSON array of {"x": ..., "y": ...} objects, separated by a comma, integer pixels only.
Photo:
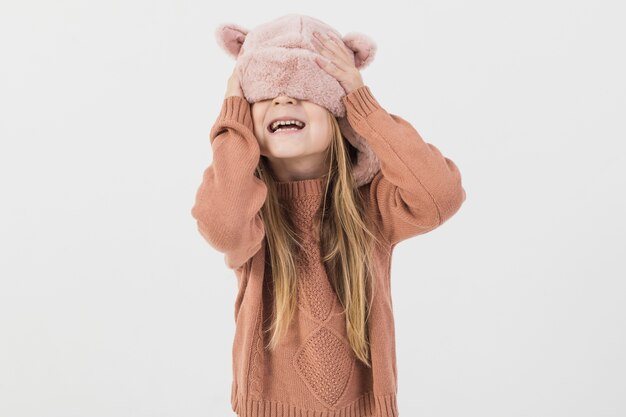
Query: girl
[{"x": 311, "y": 249}]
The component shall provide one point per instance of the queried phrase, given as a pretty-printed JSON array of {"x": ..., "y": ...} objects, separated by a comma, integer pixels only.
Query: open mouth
[{"x": 285, "y": 126}]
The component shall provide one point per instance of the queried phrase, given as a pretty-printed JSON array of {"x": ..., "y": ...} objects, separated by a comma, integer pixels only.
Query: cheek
[
  {"x": 325, "y": 128},
  {"x": 321, "y": 133},
  {"x": 258, "y": 126},
  {"x": 258, "y": 118},
  {"x": 258, "y": 129}
]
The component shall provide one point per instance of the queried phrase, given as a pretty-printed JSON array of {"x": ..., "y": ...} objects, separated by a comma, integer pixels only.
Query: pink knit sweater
[{"x": 313, "y": 372}]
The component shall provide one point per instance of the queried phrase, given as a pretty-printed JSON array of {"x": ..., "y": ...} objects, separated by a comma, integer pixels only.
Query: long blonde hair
[{"x": 345, "y": 245}]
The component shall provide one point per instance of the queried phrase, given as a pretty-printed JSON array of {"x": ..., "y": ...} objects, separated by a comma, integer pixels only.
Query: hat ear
[
  {"x": 230, "y": 37},
  {"x": 363, "y": 46}
]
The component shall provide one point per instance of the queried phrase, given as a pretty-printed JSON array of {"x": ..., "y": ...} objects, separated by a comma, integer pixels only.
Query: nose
[{"x": 283, "y": 99}]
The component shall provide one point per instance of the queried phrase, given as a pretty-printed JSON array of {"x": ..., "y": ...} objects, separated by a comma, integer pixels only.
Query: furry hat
[{"x": 277, "y": 58}]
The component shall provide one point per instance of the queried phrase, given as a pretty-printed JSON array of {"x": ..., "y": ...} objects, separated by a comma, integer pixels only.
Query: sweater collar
[{"x": 299, "y": 188}]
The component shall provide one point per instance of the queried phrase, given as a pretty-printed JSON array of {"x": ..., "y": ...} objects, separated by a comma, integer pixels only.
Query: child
[{"x": 308, "y": 221}]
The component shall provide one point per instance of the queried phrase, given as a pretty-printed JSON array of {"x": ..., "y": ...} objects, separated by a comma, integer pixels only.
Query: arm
[
  {"x": 230, "y": 197},
  {"x": 417, "y": 188}
]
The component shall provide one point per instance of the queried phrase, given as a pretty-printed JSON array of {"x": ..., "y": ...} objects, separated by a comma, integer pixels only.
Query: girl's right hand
[{"x": 234, "y": 86}]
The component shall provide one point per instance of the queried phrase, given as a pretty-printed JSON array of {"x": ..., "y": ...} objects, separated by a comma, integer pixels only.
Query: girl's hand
[
  {"x": 233, "y": 87},
  {"x": 340, "y": 63}
]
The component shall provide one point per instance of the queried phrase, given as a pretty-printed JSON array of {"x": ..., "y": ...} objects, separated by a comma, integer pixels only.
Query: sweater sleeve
[
  {"x": 417, "y": 188},
  {"x": 230, "y": 197}
]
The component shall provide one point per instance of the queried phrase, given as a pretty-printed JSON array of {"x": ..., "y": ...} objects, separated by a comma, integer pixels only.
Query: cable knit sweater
[{"x": 313, "y": 372}]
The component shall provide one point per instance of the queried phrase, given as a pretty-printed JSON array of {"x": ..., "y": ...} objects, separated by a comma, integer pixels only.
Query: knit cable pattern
[{"x": 325, "y": 360}]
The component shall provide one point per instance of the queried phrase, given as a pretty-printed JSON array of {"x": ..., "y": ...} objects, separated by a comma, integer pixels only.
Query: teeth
[{"x": 275, "y": 125}]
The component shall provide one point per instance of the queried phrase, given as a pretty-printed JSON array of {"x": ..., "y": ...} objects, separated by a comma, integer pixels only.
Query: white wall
[{"x": 112, "y": 304}]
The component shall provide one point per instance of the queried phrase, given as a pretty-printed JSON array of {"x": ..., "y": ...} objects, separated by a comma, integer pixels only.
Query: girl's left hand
[{"x": 340, "y": 63}]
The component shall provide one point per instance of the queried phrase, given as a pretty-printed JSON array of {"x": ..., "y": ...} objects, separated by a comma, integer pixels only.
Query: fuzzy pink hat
[{"x": 278, "y": 58}]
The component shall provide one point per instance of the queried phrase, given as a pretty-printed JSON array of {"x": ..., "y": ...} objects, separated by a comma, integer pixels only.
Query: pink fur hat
[{"x": 277, "y": 58}]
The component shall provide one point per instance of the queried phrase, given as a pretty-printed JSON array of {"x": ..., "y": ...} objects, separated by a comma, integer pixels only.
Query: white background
[{"x": 112, "y": 304}]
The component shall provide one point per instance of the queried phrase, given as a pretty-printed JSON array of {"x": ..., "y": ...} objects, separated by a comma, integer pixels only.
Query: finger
[
  {"x": 323, "y": 47},
  {"x": 341, "y": 45},
  {"x": 328, "y": 66},
  {"x": 319, "y": 46},
  {"x": 331, "y": 50},
  {"x": 337, "y": 46},
  {"x": 335, "y": 67}
]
